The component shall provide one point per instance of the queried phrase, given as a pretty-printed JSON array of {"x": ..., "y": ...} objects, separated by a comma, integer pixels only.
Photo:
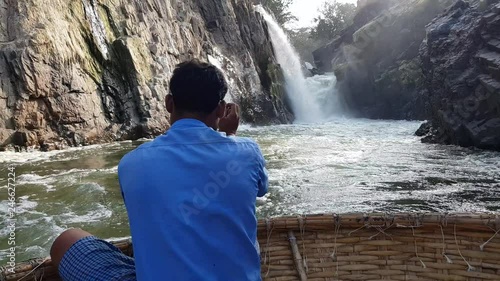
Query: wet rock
[
  {"x": 46, "y": 147},
  {"x": 100, "y": 69},
  {"x": 424, "y": 129},
  {"x": 24, "y": 138}
]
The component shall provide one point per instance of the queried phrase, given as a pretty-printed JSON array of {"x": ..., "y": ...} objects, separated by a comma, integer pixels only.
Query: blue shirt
[{"x": 190, "y": 196}]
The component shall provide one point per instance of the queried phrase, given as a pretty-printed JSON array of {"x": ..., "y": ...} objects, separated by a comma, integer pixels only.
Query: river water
[{"x": 341, "y": 166}]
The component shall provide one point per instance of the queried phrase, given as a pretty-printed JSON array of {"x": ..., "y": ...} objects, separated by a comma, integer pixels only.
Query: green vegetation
[
  {"x": 334, "y": 17},
  {"x": 110, "y": 27},
  {"x": 280, "y": 9},
  {"x": 404, "y": 78},
  {"x": 276, "y": 76},
  {"x": 303, "y": 43}
]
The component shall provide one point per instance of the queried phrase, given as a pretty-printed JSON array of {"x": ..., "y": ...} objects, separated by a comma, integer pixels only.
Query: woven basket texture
[{"x": 358, "y": 247}]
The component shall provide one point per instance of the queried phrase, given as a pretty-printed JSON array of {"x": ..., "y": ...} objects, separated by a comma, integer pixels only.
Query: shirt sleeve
[
  {"x": 119, "y": 180},
  {"x": 263, "y": 176},
  {"x": 127, "y": 172}
]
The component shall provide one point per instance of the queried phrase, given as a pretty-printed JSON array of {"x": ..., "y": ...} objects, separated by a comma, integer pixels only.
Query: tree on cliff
[
  {"x": 303, "y": 43},
  {"x": 333, "y": 18},
  {"x": 280, "y": 9}
]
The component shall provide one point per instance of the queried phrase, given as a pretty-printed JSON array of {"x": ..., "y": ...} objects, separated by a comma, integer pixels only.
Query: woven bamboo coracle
[{"x": 360, "y": 247}]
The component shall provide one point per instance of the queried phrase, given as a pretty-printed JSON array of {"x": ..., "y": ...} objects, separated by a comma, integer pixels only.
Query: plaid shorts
[{"x": 92, "y": 259}]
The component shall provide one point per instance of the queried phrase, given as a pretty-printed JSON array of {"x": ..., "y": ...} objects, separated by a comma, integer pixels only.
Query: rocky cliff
[
  {"x": 461, "y": 62},
  {"x": 377, "y": 58},
  {"x": 327, "y": 57},
  {"x": 84, "y": 71}
]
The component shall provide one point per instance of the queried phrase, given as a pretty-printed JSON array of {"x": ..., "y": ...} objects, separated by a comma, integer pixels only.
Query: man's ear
[
  {"x": 221, "y": 109},
  {"x": 169, "y": 103}
]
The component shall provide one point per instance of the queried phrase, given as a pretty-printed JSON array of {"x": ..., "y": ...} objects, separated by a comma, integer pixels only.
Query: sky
[{"x": 307, "y": 10}]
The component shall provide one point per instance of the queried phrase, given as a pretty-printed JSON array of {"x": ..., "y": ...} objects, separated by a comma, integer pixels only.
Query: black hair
[{"x": 197, "y": 87}]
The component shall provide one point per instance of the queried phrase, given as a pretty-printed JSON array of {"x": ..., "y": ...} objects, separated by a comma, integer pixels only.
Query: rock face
[
  {"x": 376, "y": 59},
  {"x": 84, "y": 71},
  {"x": 327, "y": 56},
  {"x": 461, "y": 62}
]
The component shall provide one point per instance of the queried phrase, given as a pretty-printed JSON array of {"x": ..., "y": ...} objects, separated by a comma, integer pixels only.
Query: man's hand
[{"x": 231, "y": 120}]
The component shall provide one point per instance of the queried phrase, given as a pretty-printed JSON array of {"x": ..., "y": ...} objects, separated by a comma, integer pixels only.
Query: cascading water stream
[
  {"x": 97, "y": 26},
  {"x": 312, "y": 99}
]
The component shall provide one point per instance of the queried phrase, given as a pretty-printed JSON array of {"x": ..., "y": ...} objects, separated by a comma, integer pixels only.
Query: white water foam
[
  {"x": 25, "y": 205},
  {"x": 22, "y": 206},
  {"x": 36, "y": 155},
  {"x": 35, "y": 179},
  {"x": 99, "y": 213},
  {"x": 91, "y": 187},
  {"x": 322, "y": 89},
  {"x": 56, "y": 155}
]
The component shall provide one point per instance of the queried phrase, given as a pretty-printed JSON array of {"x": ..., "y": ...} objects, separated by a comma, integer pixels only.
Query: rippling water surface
[{"x": 341, "y": 166}]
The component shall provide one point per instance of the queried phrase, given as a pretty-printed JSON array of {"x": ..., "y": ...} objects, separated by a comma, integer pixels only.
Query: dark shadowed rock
[
  {"x": 376, "y": 59},
  {"x": 461, "y": 68},
  {"x": 24, "y": 138},
  {"x": 88, "y": 71},
  {"x": 424, "y": 129}
]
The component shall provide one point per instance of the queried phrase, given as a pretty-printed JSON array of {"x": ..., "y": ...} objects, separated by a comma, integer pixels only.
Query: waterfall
[
  {"x": 322, "y": 89},
  {"x": 312, "y": 99},
  {"x": 97, "y": 26}
]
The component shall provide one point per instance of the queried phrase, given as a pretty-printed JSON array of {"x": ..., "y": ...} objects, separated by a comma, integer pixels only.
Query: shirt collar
[{"x": 188, "y": 122}]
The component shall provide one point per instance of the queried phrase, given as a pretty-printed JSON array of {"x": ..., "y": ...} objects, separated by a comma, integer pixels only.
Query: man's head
[{"x": 197, "y": 90}]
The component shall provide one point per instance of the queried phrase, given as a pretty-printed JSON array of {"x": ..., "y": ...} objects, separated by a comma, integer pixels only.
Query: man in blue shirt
[{"x": 190, "y": 196}]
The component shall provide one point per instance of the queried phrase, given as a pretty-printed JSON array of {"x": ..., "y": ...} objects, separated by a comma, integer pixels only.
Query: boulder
[
  {"x": 25, "y": 138},
  {"x": 424, "y": 130}
]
